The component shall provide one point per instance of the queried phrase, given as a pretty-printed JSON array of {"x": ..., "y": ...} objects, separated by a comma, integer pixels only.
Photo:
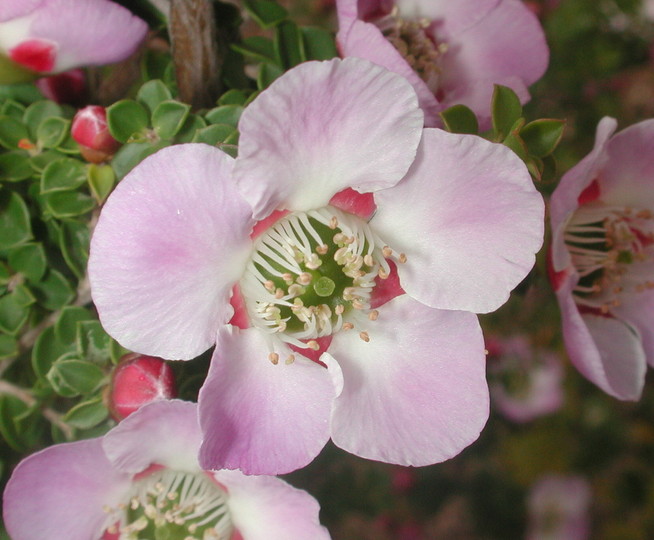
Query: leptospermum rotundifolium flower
[
  {"x": 142, "y": 480},
  {"x": 451, "y": 52},
  {"x": 602, "y": 258},
  {"x": 338, "y": 203},
  {"x": 40, "y": 37}
]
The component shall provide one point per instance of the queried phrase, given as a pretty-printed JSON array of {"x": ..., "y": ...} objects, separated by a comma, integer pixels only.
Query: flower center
[
  {"x": 311, "y": 274},
  {"x": 415, "y": 41},
  {"x": 171, "y": 505},
  {"x": 609, "y": 246}
]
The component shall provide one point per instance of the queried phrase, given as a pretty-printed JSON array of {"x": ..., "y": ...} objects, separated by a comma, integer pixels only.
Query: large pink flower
[
  {"x": 49, "y": 36},
  {"x": 143, "y": 476},
  {"x": 603, "y": 258},
  {"x": 451, "y": 51},
  {"x": 355, "y": 204}
]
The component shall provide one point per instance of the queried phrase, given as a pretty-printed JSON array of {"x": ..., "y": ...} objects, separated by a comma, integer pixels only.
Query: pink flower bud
[
  {"x": 92, "y": 134},
  {"x": 138, "y": 380}
]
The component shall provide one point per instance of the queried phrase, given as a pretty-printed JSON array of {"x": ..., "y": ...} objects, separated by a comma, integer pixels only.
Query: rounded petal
[
  {"x": 163, "y": 433},
  {"x": 267, "y": 508},
  {"x": 416, "y": 393},
  {"x": 11, "y": 9},
  {"x": 626, "y": 178},
  {"x": 565, "y": 198},
  {"x": 172, "y": 240},
  {"x": 474, "y": 224},
  {"x": 59, "y": 493},
  {"x": 92, "y": 32},
  {"x": 323, "y": 127},
  {"x": 637, "y": 310},
  {"x": 364, "y": 40},
  {"x": 605, "y": 350},
  {"x": 259, "y": 417},
  {"x": 450, "y": 18}
]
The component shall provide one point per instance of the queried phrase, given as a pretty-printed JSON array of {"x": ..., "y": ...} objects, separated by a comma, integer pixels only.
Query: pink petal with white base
[
  {"x": 171, "y": 242},
  {"x": 474, "y": 225},
  {"x": 163, "y": 433},
  {"x": 364, "y": 40},
  {"x": 416, "y": 393},
  {"x": 12, "y": 9},
  {"x": 323, "y": 127},
  {"x": 65, "y": 487},
  {"x": 259, "y": 417},
  {"x": 92, "y": 32},
  {"x": 267, "y": 508},
  {"x": 451, "y": 18}
]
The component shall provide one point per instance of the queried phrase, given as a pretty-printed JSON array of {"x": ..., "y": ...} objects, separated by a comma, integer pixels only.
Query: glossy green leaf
[
  {"x": 52, "y": 132},
  {"x": 460, "y": 119},
  {"x": 101, "y": 179},
  {"x": 87, "y": 414},
  {"x": 234, "y": 97},
  {"x": 47, "y": 349},
  {"x": 505, "y": 110},
  {"x": 29, "y": 259},
  {"x": 225, "y": 114},
  {"x": 15, "y": 166},
  {"x": 23, "y": 296},
  {"x": 10, "y": 408},
  {"x": 70, "y": 377},
  {"x": 23, "y": 93},
  {"x": 13, "y": 108},
  {"x": 65, "y": 328},
  {"x": 319, "y": 44},
  {"x": 258, "y": 47},
  {"x": 169, "y": 117},
  {"x": 11, "y": 132},
  {"x": 130, "y": 155},
  {"x": 54, "y": 291},
  {"x": 542, "y": 136},
  {"x": 152, "y": 93},
  {"x": 289, "y": 44},
  {"x": 74, "y": 239},
  {"x": 193, "y": 123},
  {"x": 267, "y": 74},
  {"x": 40, "y": 161},
  {"x": 62, "y": 175},
  {"x": 266, "y": 13},
  {"x": 8, "y": 346},
  {"x": 127, "y": 118},
  {"x": 15, "y": 227},
  {"x": 214, "y": 134},
  {"x": 39, "y": 112},
  {"x": 93, "y": 343},
  {"x": 13, "y": 315},
  {"x": 67, "y": 204}
]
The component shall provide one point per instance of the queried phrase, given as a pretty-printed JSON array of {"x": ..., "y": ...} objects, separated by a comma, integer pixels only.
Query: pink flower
[
  {"x": 602, "y": 258},
  {"x": 91, "y": 132},
  {"x": 525, "y": 382},
  {"x": 558, "y": 509},
  {"x": 450, "y": 51},
  {"x": 354, "y": 204},
  {"x": 143, "y": 476},
  {"x": 51, "y": 36}
]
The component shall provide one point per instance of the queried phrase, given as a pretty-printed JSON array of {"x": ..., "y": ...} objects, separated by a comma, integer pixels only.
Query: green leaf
[
  {"x": 15, "y": 166},
  {"x": 233, "y": 97},
  {"x": 127, "y": 118},
  {"x": 52, "y": 132},
  {"x": 214, "y": 134},
  {"x": 8, "y": 346},
  {"x": 542, "y": 136},
  {"x": 11, "y": 132},
  {"x": 23, "y": 296},
  {"x": 70, "y": 377},
  {"x": 505, "y": 110},
  {"x": 29, "y": 260},
  {"x": 63, "y": 175},
  {"x": 267, "y": 74},
  {"x": 130, "y": 155},
  {"x": 87, "y": 414},
  {"x": 5, "y": 274},
  {"x": 65, "y": 328},
  {"x": 10, "y": 408},
  {"x": 152, "y": 93},
  {"x": 169, "y": 117},
  {"x": 289, "y": 44},
  {"x": 53, "y": 292},
  {"x": 101, "y": 179},
  {"x": 225, "y": 114},
  {"x": 13, "y": 108},
  {"x": 93, "y": 343},
  {"x": 40, "y": 161},
  {"x": 257, "y": 47},
  {"x": 46, "y": 350},
  {"x": 549, "y": 169},
  {"x": 66, "y": 204},
  {"x": 194, "y": 123},
  {"x": 266, "y": 13},
  {"x": 23, "y": 93},
  {"x": 15, "y": 228},
  {"x": 460, "y": 119},
  {"x": 37, "y": 113},
  {"x": 13, "y": 314},
  {"x": 319, "y": 43},
  {"x": 74, "y": 239},
  {"x": 515, "y": 143}
]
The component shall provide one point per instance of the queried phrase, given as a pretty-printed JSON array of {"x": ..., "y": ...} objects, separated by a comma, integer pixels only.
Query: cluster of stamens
[
  {"x": 171, "y": 504},
  {"x": 415, "y": 42},
  {"x": 607, "y": 244},
  {"x": 311, "y": 274}
]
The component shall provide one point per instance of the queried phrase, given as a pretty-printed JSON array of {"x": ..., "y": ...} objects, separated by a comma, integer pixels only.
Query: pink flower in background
[
  {"x": 40, "y": 37},
  {"x": 142, "y": 480},
  {"x": 558, "y": 508},
  {"x": 525, "y": 382},
  {"x": 450, "y": 51},
  {"x": 602, "y": 258},
  {"x": 353, "y": 204}
]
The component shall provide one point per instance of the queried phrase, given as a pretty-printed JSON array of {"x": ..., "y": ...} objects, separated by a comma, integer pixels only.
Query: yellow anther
[
  {"x": 339, "y": 309},
  {"x": 402, "y": 258},
  {"x": 269, "y": 285},
  {"x": 321, "y": 250},
  {"x": 368, "y": 260},
  {"x": 388, "y": 252},
  {"x": 313, "y": 345},
  {"x": 304, "y": 278},
  {"x": 373, "y": 315},
  {"x": 333, "y": 223},
  {"x": 290, "y": 359},
  {"x": 364, "y": 336},
  {"x": 274, "y": 358},
  {"x": 279, "y": 294},
  {"x": 348, "y": 326}
]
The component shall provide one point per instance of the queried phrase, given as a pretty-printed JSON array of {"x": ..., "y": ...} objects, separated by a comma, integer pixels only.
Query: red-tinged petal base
[
  {"x": 35, "y": 54},
  {"x": 360, "y": 204}
]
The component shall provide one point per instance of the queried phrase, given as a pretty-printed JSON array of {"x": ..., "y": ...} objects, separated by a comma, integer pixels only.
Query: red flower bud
[
  {"x": 92, "y": 134},
  {"x": 138, "y": 380}
]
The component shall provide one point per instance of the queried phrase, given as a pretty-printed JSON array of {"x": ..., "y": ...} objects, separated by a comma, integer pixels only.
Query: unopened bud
[
  {"x": 137, "y": 380},
  {"x": 91, "y": 132}
]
